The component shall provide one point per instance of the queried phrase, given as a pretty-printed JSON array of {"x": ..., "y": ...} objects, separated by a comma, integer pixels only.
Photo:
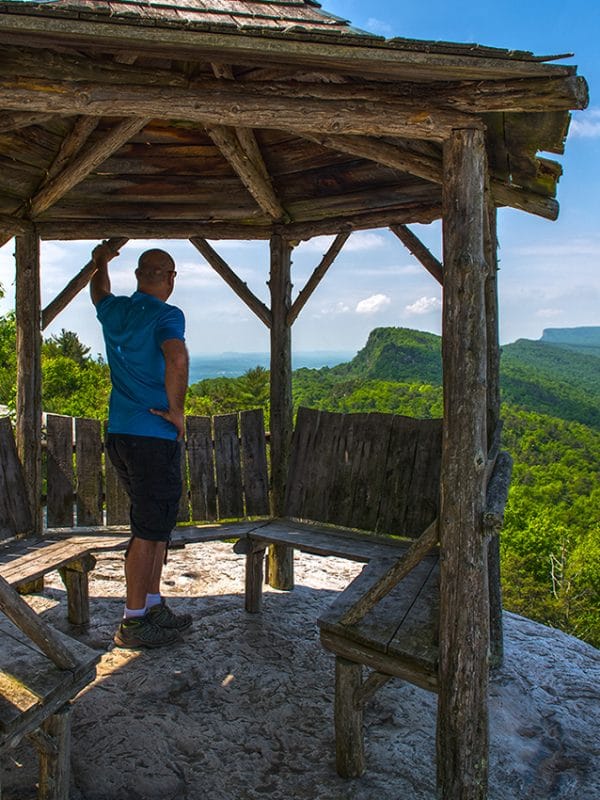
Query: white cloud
[
  {"x": 334, "y": 309},
  {"x": 361, "y": 241},
  {"x": 424, "y": 305},
  {"x": 586, "y": 124},
  {"x": 373, "y": 305},
  {"x": 379, "y": 26},
  {"x": 549, "y": 313}
]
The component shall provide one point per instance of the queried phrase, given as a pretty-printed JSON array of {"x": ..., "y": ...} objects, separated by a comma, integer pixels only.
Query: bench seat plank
[
  {"x": 324, "y": 541},
  {"x": 402, "y": 624}
]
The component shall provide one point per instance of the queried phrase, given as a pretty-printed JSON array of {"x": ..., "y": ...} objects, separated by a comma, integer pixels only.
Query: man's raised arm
[{"x": 100, "y": 281}]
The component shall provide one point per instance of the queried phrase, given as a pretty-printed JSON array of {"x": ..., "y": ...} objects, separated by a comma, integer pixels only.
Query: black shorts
[{"x": 150, "y": 470}]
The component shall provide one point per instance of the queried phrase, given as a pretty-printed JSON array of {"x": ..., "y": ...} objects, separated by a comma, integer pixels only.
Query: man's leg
[{"x": 143, "y": 569}]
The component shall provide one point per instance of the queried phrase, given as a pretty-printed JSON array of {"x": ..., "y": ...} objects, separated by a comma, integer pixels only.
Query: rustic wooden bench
[
  {"x": 41, "y": 671},
  {"x": 365, "y": 487}
]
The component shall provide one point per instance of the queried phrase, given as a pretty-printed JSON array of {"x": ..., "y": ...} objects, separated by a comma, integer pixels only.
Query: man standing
[{"x": 148, "y": 362}]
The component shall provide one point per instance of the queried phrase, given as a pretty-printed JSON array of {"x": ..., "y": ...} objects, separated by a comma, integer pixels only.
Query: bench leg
[
  {"x": 55, "y": 760},
  {"x": 75, "y": 577},
  {"x": 349, "y": 746},
  {"x": 255, "y": 560},
  {"x": 281, "y": 567}
]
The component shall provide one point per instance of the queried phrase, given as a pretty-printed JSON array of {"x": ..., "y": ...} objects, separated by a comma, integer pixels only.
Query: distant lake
[{"x": 232, "y": 365}]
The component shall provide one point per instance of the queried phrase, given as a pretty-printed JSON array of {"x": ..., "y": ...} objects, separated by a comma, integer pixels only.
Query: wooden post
[
  {"x": 493, "y": 420},
  {"x": 349, "y": 740},
  {"x": 29, "y": 370},
  {"x": 462, "y": 730},
  {"x": 55, "y": 762},
  {"x": 280, "y": 569}
]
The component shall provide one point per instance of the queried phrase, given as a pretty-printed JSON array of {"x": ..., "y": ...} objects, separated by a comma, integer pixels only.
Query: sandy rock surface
[{"x": 243, "y": 710}]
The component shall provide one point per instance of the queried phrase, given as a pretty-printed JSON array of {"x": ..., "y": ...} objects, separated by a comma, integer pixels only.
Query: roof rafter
[{"x": 79, "y": 168}]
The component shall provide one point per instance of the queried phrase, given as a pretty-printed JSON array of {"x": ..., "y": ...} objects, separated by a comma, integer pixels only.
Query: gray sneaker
[
  {"x": 162, "y": 616},
  {"x": 142, "y": 632}
]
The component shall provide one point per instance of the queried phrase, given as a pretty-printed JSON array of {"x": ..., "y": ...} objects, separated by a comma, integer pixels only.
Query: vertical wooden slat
[
  {"x": 281, "y": 564},
  {"x": 117, "y": 501},
  {"x": 59, "y": 471},
  {"x": 15, "y": 514},
  {"x": 203, "y": 494},
  {"x": 228, "y": 467},
  {"x": 462, "y": 730},
  {"x": 254, "y": 463},
  {"x": 88, "y": 460},
  {"x": 183, "y": 514},
  {"x": 29, "y": 370}
]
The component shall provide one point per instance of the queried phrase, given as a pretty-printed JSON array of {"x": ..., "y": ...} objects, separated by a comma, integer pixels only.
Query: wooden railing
[{"x": 224, "y": 469}]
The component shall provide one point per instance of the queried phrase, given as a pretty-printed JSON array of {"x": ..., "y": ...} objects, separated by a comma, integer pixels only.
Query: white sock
[
  {"x": 153, "y": 600},
  {"x": 132, "y": 613}
]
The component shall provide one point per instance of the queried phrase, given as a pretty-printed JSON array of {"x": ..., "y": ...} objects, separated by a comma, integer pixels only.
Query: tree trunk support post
[
  {"x": 462, "y": 728},
  {"x": 29, "y": 369},
  {"x": 281, "y": 564}
]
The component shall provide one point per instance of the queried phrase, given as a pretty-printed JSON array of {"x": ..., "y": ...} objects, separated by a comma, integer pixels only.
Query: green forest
[{"x": 550, "y": 543}]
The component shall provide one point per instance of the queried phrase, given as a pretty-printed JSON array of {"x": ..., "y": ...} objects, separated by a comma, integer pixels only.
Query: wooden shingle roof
[
  {"x": 284, "y": 16},
  {"x": 166, "y": 117}
]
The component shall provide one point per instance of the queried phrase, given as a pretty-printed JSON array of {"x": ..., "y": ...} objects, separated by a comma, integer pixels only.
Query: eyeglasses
[{"x": 172, "y": 272}]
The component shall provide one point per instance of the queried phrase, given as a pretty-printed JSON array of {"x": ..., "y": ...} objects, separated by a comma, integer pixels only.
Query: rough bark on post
[
  {"x": 462, "y": 731},
  {"x": 29, "y": 369},
  {"x": 493, "y": 420},
  {"x": 281, "y": 571}
]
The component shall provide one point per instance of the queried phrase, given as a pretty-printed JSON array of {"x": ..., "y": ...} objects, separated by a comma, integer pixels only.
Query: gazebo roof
[{"x": 231, "y": 118}]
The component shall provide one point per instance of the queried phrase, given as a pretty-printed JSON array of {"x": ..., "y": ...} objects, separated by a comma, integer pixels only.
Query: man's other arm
[{"x": 176, "y": 382}]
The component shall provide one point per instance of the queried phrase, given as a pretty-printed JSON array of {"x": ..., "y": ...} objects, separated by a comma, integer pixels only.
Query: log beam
[
  {"x": 73, "y": 142},
  {"x": 430, "y": 168},
  {"x": 76, "y": 284},
  {"x": 218, "y": 103},
  {"x": 233, "y": 281},
  {"x": 462, "y": 730},
  {"x": 317, "y": 276},
  {"x": 13, "y": 121},
  {"x": 253, "y": 179},
  {"x": 419, "y": 251},
  {"x": 182, "y": 228}
]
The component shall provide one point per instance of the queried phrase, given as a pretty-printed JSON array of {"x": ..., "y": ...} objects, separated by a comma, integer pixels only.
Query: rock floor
[{"x": 243, "y": 710}]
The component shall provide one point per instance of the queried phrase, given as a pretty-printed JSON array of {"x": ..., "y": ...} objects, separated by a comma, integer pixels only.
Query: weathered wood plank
[
  {"x": 59, "y": 471},
  {"x": 183, "y": 512},
  {"x": 88, "y": 458},
  {"x": 117, "y": 501},
  {"x": 203, "y": 495},
  {"x": 254, "y": 463},
  {"x": 15, "y": 513},
  {"x": 228, "y": 467},
  {"x": 334, "y": 541}
]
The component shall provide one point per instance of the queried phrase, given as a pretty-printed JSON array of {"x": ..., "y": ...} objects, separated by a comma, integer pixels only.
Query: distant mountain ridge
[
  {"x": 557, "y": 375},
  {"x": 583, "y": 339}
]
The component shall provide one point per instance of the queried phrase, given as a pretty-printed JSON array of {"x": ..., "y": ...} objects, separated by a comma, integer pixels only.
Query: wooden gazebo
[{"x": 273, "y": 120}]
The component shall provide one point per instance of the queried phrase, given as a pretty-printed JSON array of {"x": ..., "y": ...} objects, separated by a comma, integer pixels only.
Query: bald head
[{"x": 155, "y": 273}]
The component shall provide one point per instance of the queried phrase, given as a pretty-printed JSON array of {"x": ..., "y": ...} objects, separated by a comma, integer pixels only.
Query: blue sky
[{"x": 549, "y": 271}]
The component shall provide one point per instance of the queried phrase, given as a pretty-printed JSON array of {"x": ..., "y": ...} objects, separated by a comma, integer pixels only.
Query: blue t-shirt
[{"x": 134, "y": 329}]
